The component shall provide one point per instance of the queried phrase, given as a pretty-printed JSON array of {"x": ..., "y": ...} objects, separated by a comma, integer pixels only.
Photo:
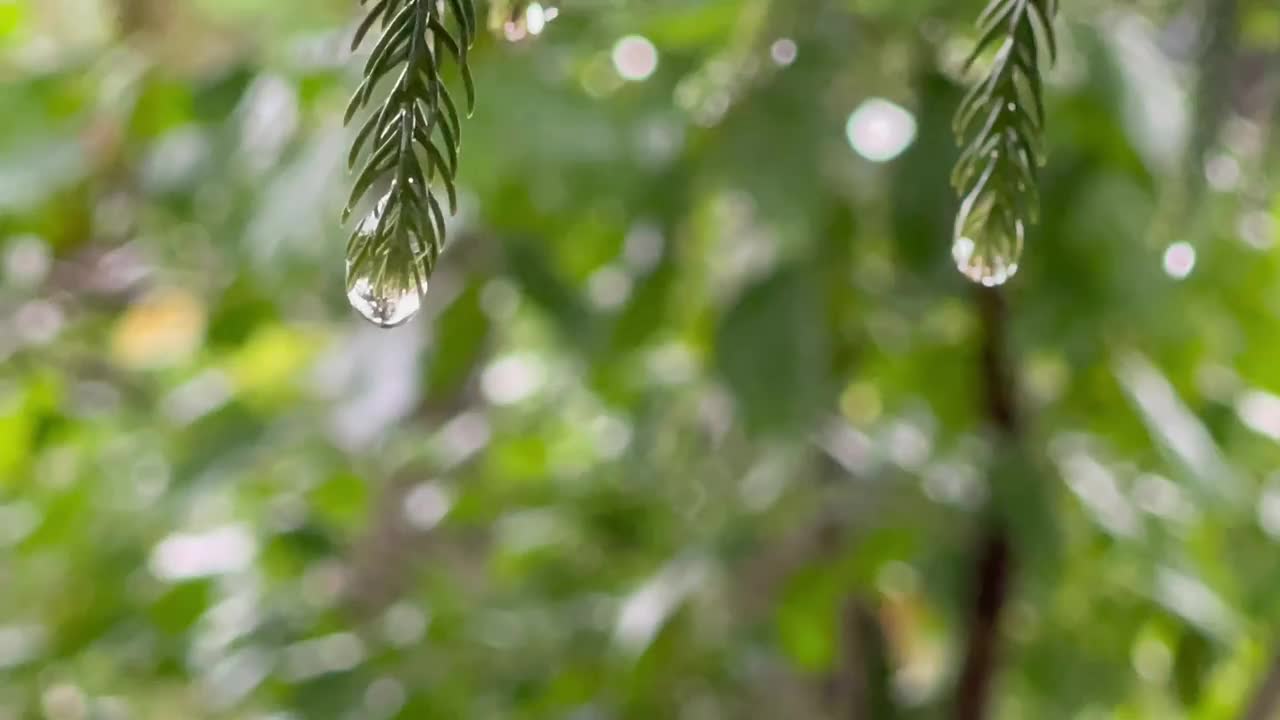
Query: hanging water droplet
[
  {"x": 384, "y": 282},
  {"x": 986, "y": 249},
  {"x": 382, "y": 304}
]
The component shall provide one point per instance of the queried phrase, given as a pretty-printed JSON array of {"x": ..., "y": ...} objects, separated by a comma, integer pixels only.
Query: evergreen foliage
[
  {"x": 410, "y": 139},
  {"x": 1001, "y": 124}
]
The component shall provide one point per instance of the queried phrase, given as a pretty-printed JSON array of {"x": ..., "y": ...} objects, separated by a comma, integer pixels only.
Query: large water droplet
[
  {"x": 385, "y": 284},
  {"x": 986, "y": 249},
  {"x": 383, "y": 304}
]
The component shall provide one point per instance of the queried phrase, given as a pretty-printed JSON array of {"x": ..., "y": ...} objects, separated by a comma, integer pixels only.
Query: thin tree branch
[
  {"x": 993, "y": 570},
  {"x": 861, "y": 682},
  {"x": 994, "y": 560},
  {"x": 997, "y": 376},
  {"x": 849, "y": 683}
]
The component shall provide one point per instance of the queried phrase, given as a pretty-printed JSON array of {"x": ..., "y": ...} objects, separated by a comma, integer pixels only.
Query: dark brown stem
[
  {"x": 997, "y": 376},
  {"x": 977, "y": 677},
  {"x": 1266, "y": 701},
  {"x": 862, "y": 680},
  {"x": 849, "y": 683},
  {"x": 994, "y": 559}
]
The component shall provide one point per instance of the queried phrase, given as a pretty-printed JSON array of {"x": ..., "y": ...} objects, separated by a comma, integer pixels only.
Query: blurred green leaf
[{"x": 771, "y": 349}]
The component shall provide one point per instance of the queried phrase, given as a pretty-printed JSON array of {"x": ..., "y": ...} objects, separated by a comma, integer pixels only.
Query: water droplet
[
  {"x": 383, "y": 305},
  {"x": 985, "y": 249},
  {"x": 384, "y": 282}
]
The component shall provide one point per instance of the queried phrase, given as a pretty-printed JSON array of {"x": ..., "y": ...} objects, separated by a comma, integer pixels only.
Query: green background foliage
[{"x": 695, "y": 396}]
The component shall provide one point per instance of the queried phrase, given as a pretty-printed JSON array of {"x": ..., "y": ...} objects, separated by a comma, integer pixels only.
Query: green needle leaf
[
  {"x": 410, "y": 140},
  {"x": 1000, "y": 123}
]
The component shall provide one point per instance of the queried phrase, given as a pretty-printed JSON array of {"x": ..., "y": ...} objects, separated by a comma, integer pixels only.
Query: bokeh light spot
[
  {"x": 1179, "y": 260},
  {"x": 880, "y": 130},
  {"x": 635, "y": 58},
  {"x": 783, "y": 52}
]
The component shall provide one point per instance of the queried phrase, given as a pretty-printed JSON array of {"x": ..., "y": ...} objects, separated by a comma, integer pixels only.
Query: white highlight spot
[
  {"x": 612, "y": 436},
  {"x": 1269, "y": 512},
  {"x": 1257, "y": 229},
  {"x": 1223, "y": 172},
  {"x": 535, "y": 18},
  {"x": 426, "y": 505},
  {"x": 20, "y": 644},
  {"x": 184, "y": 556},
  {"x": 1179, "y": 260},
  {"x": 880, "y": 130},
  {"x": 783, "y": 52},
  {"x": 635, "y": 58},
  {"x": 384, "y": 697},
  {"x": 1152, "y": 660},
  {"x": 512, "y": 379},
  {"x": 65, "y": 702},
  {"x": 647, "y": 609},
  {"x": 404, "y": 624},
  {"x": 335, "y": 653},
  {"x": 1260, "y": 412},
  {"x": 609, "y": 287},
  {"x": 643, "y": 247},
  {"x": 38, "y": 322},
  {"x": 27, "y": 261}
]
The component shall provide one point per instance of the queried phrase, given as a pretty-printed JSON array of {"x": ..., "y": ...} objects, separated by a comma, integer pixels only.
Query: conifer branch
[
  {"x": 1000, "y": 123},
  {"x": 409, "y": 141}
]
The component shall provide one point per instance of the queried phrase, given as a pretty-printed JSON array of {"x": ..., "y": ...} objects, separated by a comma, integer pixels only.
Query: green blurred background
[{"x": 692, "y": 424}]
